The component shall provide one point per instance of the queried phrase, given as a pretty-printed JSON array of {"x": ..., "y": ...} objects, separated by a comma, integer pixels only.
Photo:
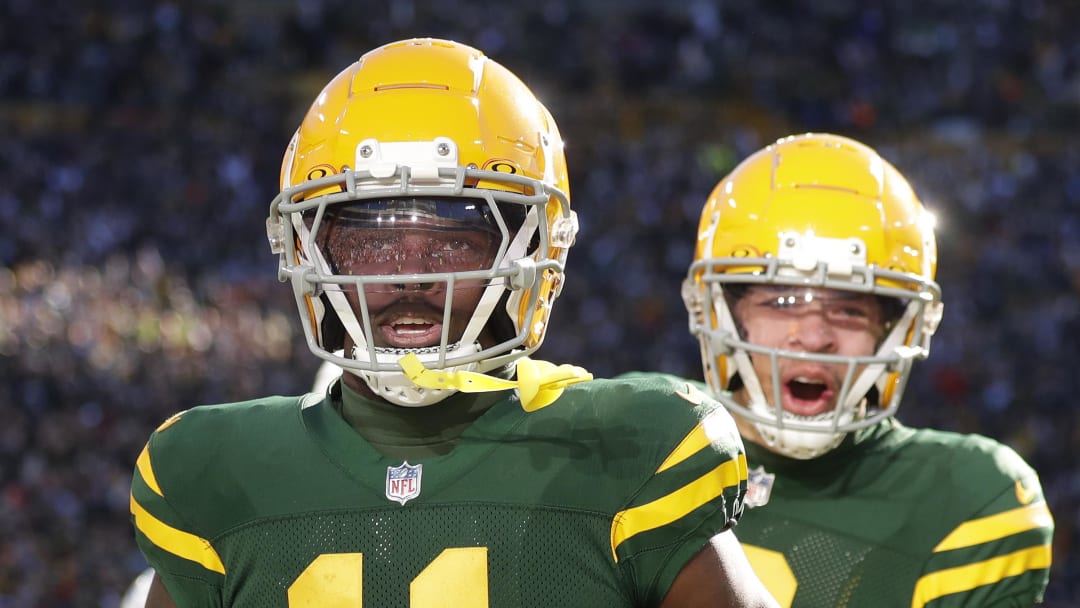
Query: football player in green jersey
[
  {"x": 423, "y": 225},
  {"x": 812, "y": 293}
]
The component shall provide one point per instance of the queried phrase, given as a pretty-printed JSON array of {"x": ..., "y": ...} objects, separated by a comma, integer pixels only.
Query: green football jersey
[
  {"x": 598, "y": 499},
  {"x": 899, "y": 517}
]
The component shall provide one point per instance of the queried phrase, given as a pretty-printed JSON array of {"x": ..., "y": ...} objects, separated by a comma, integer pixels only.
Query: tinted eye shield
[
  {"x": 392, "y": 237},
  {"x": 434, "y": 243},
  {"x": 451, "y": 213},
  {"x": 290, "y": 236}
]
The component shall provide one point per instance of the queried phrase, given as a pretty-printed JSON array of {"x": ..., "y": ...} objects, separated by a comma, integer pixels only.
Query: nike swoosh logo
[
  {"x": 1024, "y": 495},
  {"x": 692, "y": 395}
]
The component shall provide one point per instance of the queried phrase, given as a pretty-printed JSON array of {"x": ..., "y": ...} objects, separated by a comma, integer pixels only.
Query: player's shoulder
[
  {"x": 646, "y": 393},
  {"x": 206, "y": 429},
  {"x": 977, "y": 466},
  {"x": 966, "y": 451},
  {"x": 988, "y": 501},
  {"x": 213, "y": 444},
  {"x": 237, "y": 413},
  {"x": 657, "y": 405},
  {"x": 680, "y": 454}
]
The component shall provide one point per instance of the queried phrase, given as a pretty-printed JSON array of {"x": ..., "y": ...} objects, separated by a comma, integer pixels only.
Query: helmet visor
[{"x": 410, "y": 236}]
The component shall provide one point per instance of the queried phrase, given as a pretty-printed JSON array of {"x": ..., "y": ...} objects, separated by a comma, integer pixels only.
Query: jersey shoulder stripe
[
  {"x": 698, "y": 475},
  {"x": 186, "y": 446},
  {"x": 1003, "y": 539},
  {"x": 992, "y": 527},
  {"x": 727, "y": 477},
  {"x": 175, "y": 541},
  {"x": 960, "y": 579},
  {"x": 637, "y": 475},
  {"x": 144, "y": 469},
  {"x": 931, "y": 519}
]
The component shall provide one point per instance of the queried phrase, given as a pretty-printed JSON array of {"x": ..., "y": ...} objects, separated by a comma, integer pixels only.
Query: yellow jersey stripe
[
  {"x": 147, "y": 471},
  {"x": 667, "y": 509},
  {"x": 965, "y": 578},
  {"x": 171, "y": 420},
  {"x": 177, "y": 542},
  {"x": 693, "y": 443},
  {"x": 993, "y": 527}
]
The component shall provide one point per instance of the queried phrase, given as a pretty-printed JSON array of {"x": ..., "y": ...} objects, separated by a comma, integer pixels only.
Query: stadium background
[{"x": 140, "y": 144}]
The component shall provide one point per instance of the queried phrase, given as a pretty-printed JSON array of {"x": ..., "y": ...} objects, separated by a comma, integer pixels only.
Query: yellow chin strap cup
[{"x": 539, "y": 383}]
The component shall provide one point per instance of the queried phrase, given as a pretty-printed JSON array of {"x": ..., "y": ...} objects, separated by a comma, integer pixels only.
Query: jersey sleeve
[
  {"x": 187, "y": 563},
  {"x": 695, "y": 492},
  {"x": 1000, "y": 555}
]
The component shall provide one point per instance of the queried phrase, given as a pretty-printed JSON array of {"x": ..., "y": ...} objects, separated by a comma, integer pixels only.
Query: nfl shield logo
[
  {"x": 758, "y": 487},
  {"x": 403, "y": 482}
]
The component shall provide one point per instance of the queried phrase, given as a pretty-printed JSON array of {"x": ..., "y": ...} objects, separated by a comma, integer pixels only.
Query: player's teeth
[
  {"x": 806, "y": 380},
  {"x": 401, "y": 326}
]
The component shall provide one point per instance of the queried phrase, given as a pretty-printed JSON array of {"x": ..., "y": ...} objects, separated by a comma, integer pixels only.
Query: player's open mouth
[
  {"x": 807, "y": 396},
  {"x": 411, "y": 332}
]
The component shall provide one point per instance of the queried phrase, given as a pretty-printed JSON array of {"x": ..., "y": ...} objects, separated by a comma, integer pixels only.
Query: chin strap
[{"x": 539, "y": 383}]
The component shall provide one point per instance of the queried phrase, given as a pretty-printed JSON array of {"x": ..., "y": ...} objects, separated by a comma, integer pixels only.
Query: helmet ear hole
[
  {"x": 500, "y": 324},
  {"x": 333, "y": 332},
  {"x": 735, "y": 384},
  {"x": 873, "y": 397}
]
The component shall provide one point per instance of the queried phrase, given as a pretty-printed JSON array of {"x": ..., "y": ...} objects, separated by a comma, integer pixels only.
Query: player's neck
[{"x": 395, "y": 430}]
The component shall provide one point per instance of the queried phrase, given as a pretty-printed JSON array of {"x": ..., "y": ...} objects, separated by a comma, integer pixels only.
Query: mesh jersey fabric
[
  {"x": 598, "y": 499},
  {"x": 900, "y": 517}
]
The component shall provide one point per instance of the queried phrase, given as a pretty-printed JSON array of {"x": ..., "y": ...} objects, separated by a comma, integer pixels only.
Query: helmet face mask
[
  {"x": 442, "y": 234},
  {"x": 814, "y": 216},
  {"x": 406, "y": 264}
]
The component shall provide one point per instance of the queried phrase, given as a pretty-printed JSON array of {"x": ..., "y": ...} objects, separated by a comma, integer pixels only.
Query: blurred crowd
[{"x": 140, "y": 144}]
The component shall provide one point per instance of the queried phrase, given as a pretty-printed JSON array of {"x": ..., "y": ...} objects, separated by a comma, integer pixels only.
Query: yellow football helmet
[
  {"x": 431, "y": 129},
  {"x": 813, "y": 210}
]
